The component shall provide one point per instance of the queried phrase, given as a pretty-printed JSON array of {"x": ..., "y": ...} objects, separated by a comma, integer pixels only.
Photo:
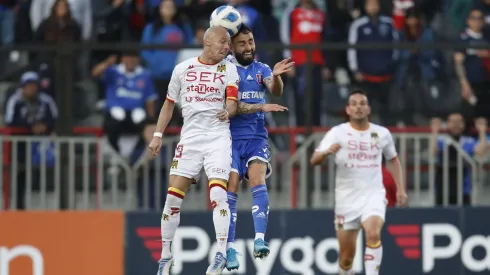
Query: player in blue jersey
[{"x": 250, "y": 148}]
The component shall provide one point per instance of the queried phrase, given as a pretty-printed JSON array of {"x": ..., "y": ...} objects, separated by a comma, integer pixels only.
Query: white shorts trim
[
  {"x": 177, "y": 173},
  {"x": 269, "y": 166}
]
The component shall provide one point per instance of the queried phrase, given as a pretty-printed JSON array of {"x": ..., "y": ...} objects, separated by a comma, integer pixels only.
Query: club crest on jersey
[
  {"x": 221, "y": 68},
  {"x": 259, "y": 78},
  {"x": 374, "y": 137}
]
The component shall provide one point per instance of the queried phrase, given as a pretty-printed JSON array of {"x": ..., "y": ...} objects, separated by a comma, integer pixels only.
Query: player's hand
[
  {"x": 155, "y": 146},
  {"x": 223, "y": 115},
  {"x": 283, "y": 67},
  {"x": 267, "y": 108},
  {"x": 401, "y": 198},
  {"x": 111, "y": 60},
  {"x": 333, "y": 149}
]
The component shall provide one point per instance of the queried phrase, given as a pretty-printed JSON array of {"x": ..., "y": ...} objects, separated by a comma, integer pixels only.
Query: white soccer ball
[{"x": 227, "y": 17}]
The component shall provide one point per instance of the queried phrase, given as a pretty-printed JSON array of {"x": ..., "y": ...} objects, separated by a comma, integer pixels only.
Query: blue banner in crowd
[{"x": 416, "y": 241}]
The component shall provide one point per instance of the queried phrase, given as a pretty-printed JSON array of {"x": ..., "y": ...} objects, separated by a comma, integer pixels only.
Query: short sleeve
[
  {"x": 174, "y": 86},
  {"x": 232, "y": 82},
  {"x": 267, "y": 72},
  {"x": 328, "y": 140},
  {"x": 232, "y": 77},
  {"x": 389, "y": 150},
  {"x": 108, "y": 75}
]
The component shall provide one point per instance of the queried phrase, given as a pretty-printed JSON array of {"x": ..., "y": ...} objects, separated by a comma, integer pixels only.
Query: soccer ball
[{"x": 227, "y": 17}]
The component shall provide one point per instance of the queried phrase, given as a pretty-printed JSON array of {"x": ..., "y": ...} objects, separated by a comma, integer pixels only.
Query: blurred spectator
[
  {"x": 253, "y": 19},
  {"x": 7, "y": 19},
  {"x": 81, "y": 11},
  {"x": 390, "y": 186},
  {"x": 166, "y": 29},
  {"x": 306, "y": 24},
  {"x": 58, "y": 28},
  {"x": 373, "y": 69},
  {"x": 457, "y": 12},
  {"x": 200, "y": 29},
  {"x": 130, "y": 96},
  {"x": 22, "y": 25},
  {"x": 34, "y": 111},
  {"x": 418, "y": 70},
  {"x": 137, "y": 18},
  {"x": 473, "y": 67},
  {"x": 109, "y": 22},
  {"x": 484, "y": 7},
  {"x": 399, "y": 12},
  {"x": 455, "y": 125}
]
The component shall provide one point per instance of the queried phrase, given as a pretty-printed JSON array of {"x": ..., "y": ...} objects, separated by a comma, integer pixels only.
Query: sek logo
[
  {"x": 204, "y": 77},
  {"x": 407, "y": 237},
  {"x": 8, "y": 255}
]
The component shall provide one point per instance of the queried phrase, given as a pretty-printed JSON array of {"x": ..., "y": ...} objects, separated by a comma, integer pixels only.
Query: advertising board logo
[
  {"x": 36, "y": 243},
  {"x": 282, "y": 252},
  {"x": 9, "y": 255},
  {"x": 419, "y": 241},
  {"x": 407, "y": 237}
]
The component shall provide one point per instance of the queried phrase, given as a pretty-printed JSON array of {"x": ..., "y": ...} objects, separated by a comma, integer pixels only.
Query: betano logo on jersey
[{"x": 251, "y": 95}]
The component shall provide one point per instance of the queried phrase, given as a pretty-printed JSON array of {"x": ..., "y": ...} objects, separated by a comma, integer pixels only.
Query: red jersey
[
  {"x": 306, "y": 27},
  {"x": 390, "y": 186}
]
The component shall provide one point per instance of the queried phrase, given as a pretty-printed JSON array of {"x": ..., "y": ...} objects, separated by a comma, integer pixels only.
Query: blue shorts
[{"x": 246, "y": 150}]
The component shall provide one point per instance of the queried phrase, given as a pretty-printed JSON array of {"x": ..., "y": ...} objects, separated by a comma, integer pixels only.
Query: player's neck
[
  {"x": 206, "y": 59},
  {"x": 359, "y": 125}
]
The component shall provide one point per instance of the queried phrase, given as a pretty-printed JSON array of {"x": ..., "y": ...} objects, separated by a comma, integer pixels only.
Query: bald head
[
  {"x": 216, "y": 44},
  {"x": 215, "y": 32}
]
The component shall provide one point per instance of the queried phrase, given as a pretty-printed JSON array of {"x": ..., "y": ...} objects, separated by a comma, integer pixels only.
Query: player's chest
[
  {"x": 204, "y": 82},
  {"x": 251, "y": 86},
  {"x": 361, "y": 146}
]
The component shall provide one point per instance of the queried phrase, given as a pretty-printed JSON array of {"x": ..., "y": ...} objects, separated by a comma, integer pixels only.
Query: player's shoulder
[
  {"x": 228, "y": 65},
  {"x": 186, "y": 64},
  {"x": 339, "y": 128},
  {"x": 380, "y": 130},
  {"x": 261, "y": 65}
]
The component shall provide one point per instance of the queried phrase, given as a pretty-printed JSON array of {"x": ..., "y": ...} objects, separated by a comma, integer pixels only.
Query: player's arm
[
  {"x": 326, "y": 148},
  {"x": 274, "y": 84},
  {"x": 245, "y": 108},
  {"x": 168, "y": 106},
  {"x": 395, "y": 168},
  {"x": 273, "y": 80},
  {"x": 231, "y": 102},
  {"x": 394, "y": 164},
  {"x": 165, "y": 115}
]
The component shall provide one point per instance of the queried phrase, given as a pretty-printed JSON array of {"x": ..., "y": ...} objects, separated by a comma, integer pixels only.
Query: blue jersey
[
  {"x": 251, "y": 90},
  {"x": 128, "y": 90}
]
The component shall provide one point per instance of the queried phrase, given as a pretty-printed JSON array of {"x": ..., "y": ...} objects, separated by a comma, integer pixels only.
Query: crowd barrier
[
  {"x": 86, "y": 173},
  {"x": 442, "y": 241}
]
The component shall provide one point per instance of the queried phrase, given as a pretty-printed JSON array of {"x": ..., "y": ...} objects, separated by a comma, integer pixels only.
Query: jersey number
[{"x": 178, "y": 151}]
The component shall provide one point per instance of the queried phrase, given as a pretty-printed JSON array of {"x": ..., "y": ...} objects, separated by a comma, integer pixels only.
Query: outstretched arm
[{"x": 245, "y": 108}]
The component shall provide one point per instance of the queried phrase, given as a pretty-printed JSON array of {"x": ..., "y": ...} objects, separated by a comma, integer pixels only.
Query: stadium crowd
[
  {"x": 404, "y": 85},
  {"x": 123, "y": 91}
]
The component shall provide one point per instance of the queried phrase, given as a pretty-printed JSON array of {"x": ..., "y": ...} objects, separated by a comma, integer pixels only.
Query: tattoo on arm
[
  {"x": 268, "y": 83},
  {"x": 460, "y": 70},
  {"x": 245, "y": 108}
]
